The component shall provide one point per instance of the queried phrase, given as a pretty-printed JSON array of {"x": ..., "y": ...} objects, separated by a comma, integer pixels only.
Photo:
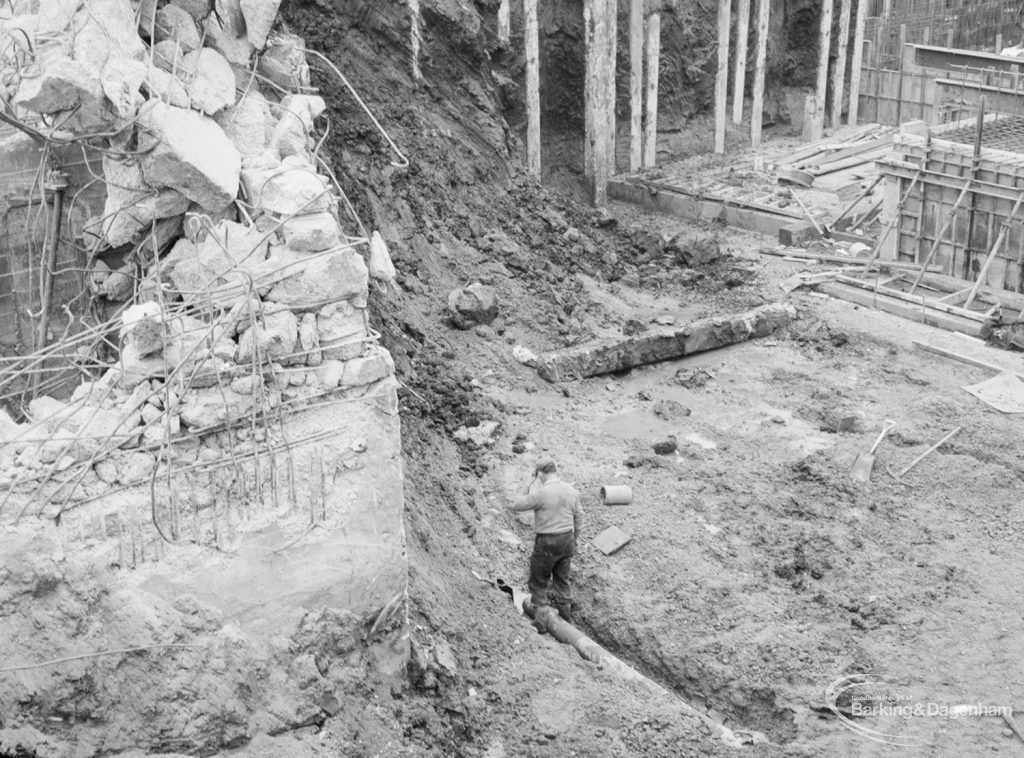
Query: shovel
[{"x": 861, "y": 470}]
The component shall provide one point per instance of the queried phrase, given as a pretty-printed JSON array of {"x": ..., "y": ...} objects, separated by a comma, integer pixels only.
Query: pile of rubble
[{"x": 204, "y": 121}]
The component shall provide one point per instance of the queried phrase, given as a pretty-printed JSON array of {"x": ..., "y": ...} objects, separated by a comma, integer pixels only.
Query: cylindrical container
[{"x": 617, "y": 494}]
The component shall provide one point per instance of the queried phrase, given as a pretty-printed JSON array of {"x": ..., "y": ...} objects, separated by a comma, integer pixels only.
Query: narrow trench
[{"x": 760, "y": 715}]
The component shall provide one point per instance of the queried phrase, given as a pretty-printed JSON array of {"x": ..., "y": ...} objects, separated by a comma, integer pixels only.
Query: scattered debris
[
  {"x": 475, "y": 304},
  {"x": 481, "y": 434},
  {"x": 666, "y": 446},
  {"x": 693, "y": 378},
  {"x": 611, "y": 540}
]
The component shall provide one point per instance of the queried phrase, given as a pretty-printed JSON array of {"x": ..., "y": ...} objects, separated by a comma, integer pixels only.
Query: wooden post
[
  {"x": 999, "y": 43},
  {"x": 599, "y": 97},
  {"x": 611, "y": 45},
  {"x": 740, "y": 66},
  {"x": 949, "y": 37},
  {"x": 653, "y": 58},
  {"x": 532, "y": 87},
  {"x": 814, "y": 118},
  {"x": 839, "y": 75},
  {"x": 857, "y": 62},
  {"x": 721, "y": 79},
  {"x": 824, "y": 46},
  {"x": 760, "y": 57},
  {"x": 636, "y": 84},
  {"x": 899, "y": 76},
  {"x": 504, "y": 25}
]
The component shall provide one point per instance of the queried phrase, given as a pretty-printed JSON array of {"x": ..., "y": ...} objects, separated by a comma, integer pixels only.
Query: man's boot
[{"x": 565, "y": 611}]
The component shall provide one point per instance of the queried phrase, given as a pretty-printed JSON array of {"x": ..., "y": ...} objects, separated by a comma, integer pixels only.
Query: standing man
[{"x": 557, "y": 522}]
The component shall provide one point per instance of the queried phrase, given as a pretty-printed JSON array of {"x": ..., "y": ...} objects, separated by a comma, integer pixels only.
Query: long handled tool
[
  {"x": 899, "y": 477},
  {"x": 865, "y": 462}
]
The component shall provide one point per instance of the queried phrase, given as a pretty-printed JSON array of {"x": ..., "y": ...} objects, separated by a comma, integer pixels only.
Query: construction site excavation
[{"x": 511, "y": 378}]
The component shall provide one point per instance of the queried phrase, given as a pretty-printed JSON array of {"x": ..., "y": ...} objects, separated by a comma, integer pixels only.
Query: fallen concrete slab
[{"x": 706, "y": 334}]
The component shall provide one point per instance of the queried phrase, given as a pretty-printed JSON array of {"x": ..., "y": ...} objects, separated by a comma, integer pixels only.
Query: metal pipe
[
  {"x": 56, "y": 182},
  {"x": 617, "y": 494}
]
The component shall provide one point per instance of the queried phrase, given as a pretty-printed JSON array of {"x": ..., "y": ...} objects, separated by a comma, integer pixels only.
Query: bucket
[{"x": 617, "y": 494}]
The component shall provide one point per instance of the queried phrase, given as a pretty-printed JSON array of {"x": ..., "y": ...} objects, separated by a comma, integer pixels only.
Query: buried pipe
[{"x": 589, "y": 650}]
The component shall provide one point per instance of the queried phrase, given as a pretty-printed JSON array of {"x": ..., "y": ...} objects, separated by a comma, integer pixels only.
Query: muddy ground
[{"x": 758, "y": 571}]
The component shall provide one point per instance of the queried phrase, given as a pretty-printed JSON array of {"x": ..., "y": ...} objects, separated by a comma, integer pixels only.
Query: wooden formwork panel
[
  {"x": 976, "y": 223},
  {"x": 884, "y": 100}
]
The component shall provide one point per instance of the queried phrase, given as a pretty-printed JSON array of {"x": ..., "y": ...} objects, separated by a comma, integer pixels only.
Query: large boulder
[
  {"x": 104, "y": 29},
  {"x": 472, "y": 305},
  {"x": 120, "y": 80},
  {"x": 291, "y": 133},
  {"x": 323, "y": 279},
  {"x": 190, "y": 153},
  {"x": 376, "y": 364}
]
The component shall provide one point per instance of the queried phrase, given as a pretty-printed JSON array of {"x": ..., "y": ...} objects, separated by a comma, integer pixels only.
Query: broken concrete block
[
  {"x": 341, "y": 331},
  {"x": 272, "y": 340},
  {"x": 66, "y": 86},
  {"x": 259, "y": 17},
  {"x": 312, "y": 233},
  {"x": 105, "y": 29},
  {"x": 189, "y": 153},
  {"x": 209, "y": 80},
  {"x": 246, "y": 385},
  {"x": 472, "y": 305},
  {"x": 197, "y": 9},
  {"x": 119, "y": 284},
  {"x": 309, "y": 339},
  {"x": 208, "y": 407},
  {"x": 228, "y": 256},
  {"x": 374, "y": 365},
  {"x": 168, "y": 55},
  {"x": 142, "y": 324},
  {"x": 225, "y": 33},
  {"x": 610, "y": 540},
  {"x": 330, "y": 373},
  {"x": 291, "y": 134},
  {"x": 174, "y": 23},
  {"x": 120, "y": 80},
  {"x": 323, "y": 279},
  {"x": 247, "y": 125},
  {"x": 380, "y": 264},
  {"x": 161, "y": 85},
  {"x": 132, "y": 205},
  {"x": 292, "y": 188},
  {"x": 284, "y": 63}
]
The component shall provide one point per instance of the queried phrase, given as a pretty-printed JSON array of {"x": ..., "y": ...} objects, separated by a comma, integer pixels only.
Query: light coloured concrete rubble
[
  {"x": 190, "y": 153},
  {"x": 174, "y": 23},
  {"x": 312, "y": 233},
  {"x": 323, "y": 279},
  {"x": 248, "y": 125},
  {"x": 67, "y": 86},
  {"x": 292, "y": 188},
  {"x": 341, "y": 331},
  {"x": 274, "y": 338},
  {"x": 104, "y": 29},
  {"x": 120, "y": 80},
  {"x": 131, "y": 204},
  {"x": 225, "y": 33},
  {"x": 259, "y": 17},
  {"x": 209, "y": 80},
  {"x": 284, "y": 63},
  {"x": 197, "y": 9}
]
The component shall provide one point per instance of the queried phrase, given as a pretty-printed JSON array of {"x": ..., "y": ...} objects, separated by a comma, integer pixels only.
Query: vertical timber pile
[
  {"x": 839, "y": 74},
  {"x": 857, "y": 62},
  {"x": 760, "y": 58},
  {"x": 636, "y": 84},
  {"x": 532, "y": 87},
  {"x": 821, "y": 91},
  {"x": 721, "y": 80},
  {"x": 504, "y": 25},
  {"x": 740, "y": 76},
  {"x": 651, "y": 121},
  {"x": 599, "y": 21}
]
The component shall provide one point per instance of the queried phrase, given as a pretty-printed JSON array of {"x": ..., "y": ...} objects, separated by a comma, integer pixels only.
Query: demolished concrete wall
[{"x": 211, "y": 522}]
